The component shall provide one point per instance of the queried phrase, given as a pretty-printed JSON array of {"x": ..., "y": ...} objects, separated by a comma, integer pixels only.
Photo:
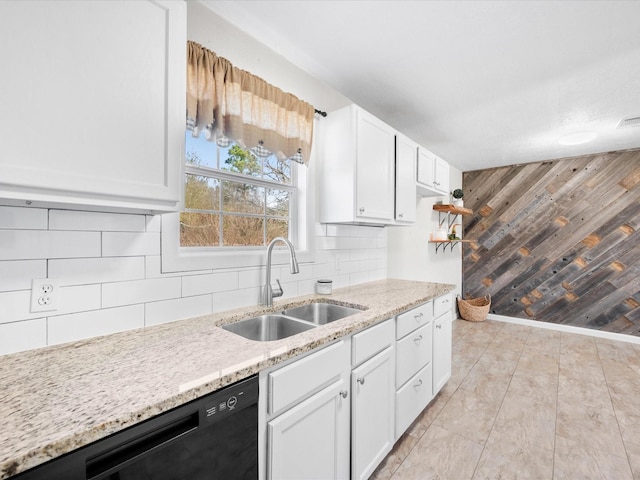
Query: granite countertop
[{"x": 56, "y": 399}]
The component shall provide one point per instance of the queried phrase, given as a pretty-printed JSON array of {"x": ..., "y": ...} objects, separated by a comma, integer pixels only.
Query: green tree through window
[{"x": 233, "y": 197}]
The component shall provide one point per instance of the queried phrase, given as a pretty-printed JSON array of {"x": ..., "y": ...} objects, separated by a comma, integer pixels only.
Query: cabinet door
[
  {"x": 374, "y": 168},
  {"x": 441, "y": 176},
  {"x": 93, "y": 103},
  {"x": 441, "y": 351},
  {"x": 406, "y": 156},
  {"x": 372, "y": 413},
  {"x": 426, "y": 168},
  {"x": 311, "y": 441}
]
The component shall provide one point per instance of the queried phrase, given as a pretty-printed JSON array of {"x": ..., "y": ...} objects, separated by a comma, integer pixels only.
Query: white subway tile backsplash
[
  {"x": 19, "y": 336},
  {"x": 359, "y": 277},
  {"x": 36, "y": 244},
  {"x": 153, "y": 269},
  {"x": 290, "y": 289},
  {"x": 68, "y": 328},
  {"x": 327, "y": 243},
  {"x": 128, "y": 244},
  {"x": 16, "y": 306},
  {"x": 110, "y": 270},
  {"x": 96, "y": 270},
  {"x": 17, "y": 274},
  {"x": 235, "y": 299},
  {"x": 23, "y": 218},
  {"x": 95, "y": 221},
  {"x": 215, "y": 282},
  {"x": 140, "y": 291},
  {"x": 251, "y": 278},
  {"x": 178, "y": 309}
]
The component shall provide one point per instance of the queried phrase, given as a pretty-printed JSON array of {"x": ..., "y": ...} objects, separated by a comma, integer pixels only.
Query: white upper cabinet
[
  {"x": 93, "y": 103},
  {"x": 433, "y": 174},
  {"x": 357, "y": 168},
  {"x": 406, "y": 156}
]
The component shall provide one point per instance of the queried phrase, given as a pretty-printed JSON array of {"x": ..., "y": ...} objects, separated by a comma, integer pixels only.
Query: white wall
[
  {"x": 109, "y": 264},
  {"x": 411, "y": 257}
]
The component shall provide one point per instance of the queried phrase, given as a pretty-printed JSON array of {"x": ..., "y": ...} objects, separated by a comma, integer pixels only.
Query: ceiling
[{"x": 480, "y": 83}]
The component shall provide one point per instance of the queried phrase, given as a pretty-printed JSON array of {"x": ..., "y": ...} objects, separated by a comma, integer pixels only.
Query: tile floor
[{"x": 527, "y": 403}]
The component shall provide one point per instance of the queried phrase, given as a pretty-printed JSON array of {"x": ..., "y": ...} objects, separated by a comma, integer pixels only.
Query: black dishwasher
[{"x": 213, "y": 437}]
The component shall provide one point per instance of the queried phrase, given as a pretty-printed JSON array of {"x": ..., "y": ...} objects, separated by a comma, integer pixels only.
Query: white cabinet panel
[
  {"x": 442, "y": 305},
  {"x": 433, "y": 174},
  {"x": 311, "y": 440},
  {"x": 373, "y": 340},
  {"x": 93, "y": 103},
  {"x": 375, "y": 162},
  {"x": 441, "y": 351},
  {"x": 356, "y": 171},
  {"x": 292, "y": 383},
  {"x": 413, "y": 352},
  {"x": 416, "y": 317},
  {"x": 372, "y": 417},
  {"x": 412, "y": 398},
  {"x": 406, "y": 157}
]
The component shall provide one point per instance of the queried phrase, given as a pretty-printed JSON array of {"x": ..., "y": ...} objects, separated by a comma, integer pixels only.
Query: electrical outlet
[{"x": 45, "y": 294}]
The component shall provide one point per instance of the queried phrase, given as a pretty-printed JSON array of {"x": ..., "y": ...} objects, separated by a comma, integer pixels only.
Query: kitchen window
[
  {"x": 239, "y": 195},
  {"x": 236, "y": 197}
]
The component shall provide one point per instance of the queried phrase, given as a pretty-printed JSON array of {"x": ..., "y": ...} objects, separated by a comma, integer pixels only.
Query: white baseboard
[{"x": 566, "y": 328}]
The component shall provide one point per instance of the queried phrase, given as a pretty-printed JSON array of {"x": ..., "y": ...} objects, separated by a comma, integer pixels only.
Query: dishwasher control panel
[{"x": 230, "y": 399}]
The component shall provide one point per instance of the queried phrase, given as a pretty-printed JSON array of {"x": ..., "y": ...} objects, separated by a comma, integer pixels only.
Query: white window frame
[{"x": 190, "y": 259}]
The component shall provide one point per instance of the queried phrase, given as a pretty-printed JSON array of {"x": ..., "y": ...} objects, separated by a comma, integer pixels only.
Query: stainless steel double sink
[{"x": 276, "y": 326}]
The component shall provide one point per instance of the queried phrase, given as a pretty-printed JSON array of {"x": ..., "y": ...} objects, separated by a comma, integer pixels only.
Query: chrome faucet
[{"x": 268, "y": 293}]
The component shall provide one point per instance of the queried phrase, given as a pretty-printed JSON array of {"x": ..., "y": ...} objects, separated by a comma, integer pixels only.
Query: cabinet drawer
[
  {"x": 441, "y": 305},
  {"x": 413, "y": 352},
  {"x": 412, "y": 398},
  {"x": 296, "y": 381},
  {"x": 408, "y": 321},
  {"x": 373, "y": 340}
]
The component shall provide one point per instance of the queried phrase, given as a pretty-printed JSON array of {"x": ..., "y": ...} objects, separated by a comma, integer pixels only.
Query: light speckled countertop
[{"x": 56, "y": 399}]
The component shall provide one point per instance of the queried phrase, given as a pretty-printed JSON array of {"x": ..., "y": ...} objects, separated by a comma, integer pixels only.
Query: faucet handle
[{"x": 279, "y": 292}]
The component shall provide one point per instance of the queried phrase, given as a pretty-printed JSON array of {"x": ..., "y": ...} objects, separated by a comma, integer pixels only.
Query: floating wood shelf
[
  {"x": 446, "y": 212},
  {"x": 453, "y": 209}
]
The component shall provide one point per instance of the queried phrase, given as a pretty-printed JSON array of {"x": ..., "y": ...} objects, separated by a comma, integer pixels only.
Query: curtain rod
[{"x": 320, "y": 112}]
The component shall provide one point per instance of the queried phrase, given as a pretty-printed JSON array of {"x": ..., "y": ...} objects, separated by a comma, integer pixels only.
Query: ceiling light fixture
[{"x": 577, "y": 138}]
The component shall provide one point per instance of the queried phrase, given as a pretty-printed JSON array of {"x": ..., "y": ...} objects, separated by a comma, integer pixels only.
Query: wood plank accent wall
[{"x": 557, "y": 241}]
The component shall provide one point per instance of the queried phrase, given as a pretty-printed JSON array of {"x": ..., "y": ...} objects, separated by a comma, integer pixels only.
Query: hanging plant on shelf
[{"x": 457, "y": 194}]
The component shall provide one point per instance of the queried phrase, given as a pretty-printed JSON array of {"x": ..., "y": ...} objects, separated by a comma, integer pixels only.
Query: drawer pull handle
[
  {"x": 361, "y": 380},
  {"x": 438, "y": 325},
  {"x": 418, "y": 339},
  {"x": 344, "y": 393},
  {"x": 419, "y": 384},
  {"x": 419, "y": 316}
]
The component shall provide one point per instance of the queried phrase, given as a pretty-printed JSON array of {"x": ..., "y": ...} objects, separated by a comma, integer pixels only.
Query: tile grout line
[
  {"x": 484, "y": 447},
  {"x": 615, "y": 413}
]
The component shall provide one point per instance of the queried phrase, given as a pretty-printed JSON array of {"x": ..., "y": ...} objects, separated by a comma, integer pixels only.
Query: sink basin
[
  {"x": 321, "y": 313},
  {"x": 266, "y": 328}
]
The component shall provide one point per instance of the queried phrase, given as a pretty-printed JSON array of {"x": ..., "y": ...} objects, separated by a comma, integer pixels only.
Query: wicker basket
[{"x": 474, "y": 309}]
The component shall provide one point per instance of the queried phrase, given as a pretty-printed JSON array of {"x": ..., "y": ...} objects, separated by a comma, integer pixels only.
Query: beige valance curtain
[{"x": 227, "y": 102}]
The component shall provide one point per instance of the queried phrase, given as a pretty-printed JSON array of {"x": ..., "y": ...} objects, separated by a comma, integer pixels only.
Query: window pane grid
[{"x": 235, "y": 198}]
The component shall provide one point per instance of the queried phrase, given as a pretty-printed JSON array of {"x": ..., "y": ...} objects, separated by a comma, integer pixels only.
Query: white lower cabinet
[
  {"x": 441, "y": 351},
  {"x": 372, "y": 425},
  {"x": 412, "y": 397},
  {"x": 311, "y": 440},
  {"x": 414, "y": 353},
  {"x": 335, "y": 413}
]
